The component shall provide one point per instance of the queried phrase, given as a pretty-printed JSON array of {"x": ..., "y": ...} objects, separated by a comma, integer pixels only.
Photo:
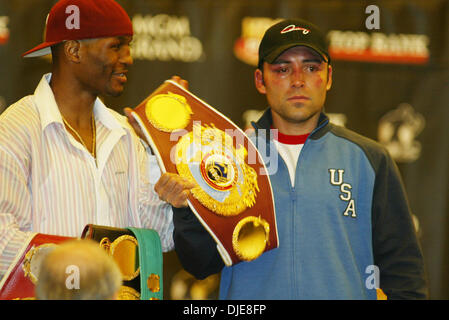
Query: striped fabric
[{"x": 49, "y": 183}]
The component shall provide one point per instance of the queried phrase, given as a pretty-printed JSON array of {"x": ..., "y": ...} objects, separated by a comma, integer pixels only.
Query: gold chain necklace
[{"x": 93, "y": 153}]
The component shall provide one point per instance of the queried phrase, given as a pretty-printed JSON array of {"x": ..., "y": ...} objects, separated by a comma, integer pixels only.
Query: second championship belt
[
  {"x": 22, "y": 275},
  {"x": 138, "y": 255},
  {"x": 232, "y": 198}
]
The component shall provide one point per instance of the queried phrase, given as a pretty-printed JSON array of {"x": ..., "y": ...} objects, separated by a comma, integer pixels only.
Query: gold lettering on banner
[{"x": 165, "y": 37}]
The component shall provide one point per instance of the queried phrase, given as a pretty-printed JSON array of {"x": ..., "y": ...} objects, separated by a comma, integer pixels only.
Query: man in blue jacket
[{"x": 344, "y": 223}]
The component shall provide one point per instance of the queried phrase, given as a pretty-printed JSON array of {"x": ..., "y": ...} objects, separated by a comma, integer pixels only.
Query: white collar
[{"x": 49, "y": 111}]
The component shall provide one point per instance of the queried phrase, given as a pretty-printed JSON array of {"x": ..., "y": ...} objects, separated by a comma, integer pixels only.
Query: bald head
[{"x": 78, "y": 270}]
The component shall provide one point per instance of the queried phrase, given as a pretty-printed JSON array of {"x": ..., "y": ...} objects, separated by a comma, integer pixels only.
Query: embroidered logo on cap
[{"x": 292, "y": 27}]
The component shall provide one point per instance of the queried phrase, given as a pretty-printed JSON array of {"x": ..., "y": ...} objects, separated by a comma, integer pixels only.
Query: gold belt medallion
[
  {"x": 124, "y": 250},
  {"x": 250, "y": 237},
  {"x": 226, "y": 184},
  {"x": 219, "y": 170},
  {"x": 168, "y": 112},
  {"x": 33, "y": 260}
]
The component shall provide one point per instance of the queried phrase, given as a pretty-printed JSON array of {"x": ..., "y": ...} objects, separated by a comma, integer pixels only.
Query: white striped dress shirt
[{"x": 49, "y": 183}]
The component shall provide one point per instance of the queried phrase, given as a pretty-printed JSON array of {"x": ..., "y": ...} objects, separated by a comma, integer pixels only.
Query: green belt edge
[{"x": 150, "y": 261}]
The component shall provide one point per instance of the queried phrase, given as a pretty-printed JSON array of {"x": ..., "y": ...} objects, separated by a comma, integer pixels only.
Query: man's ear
[
  {"x": 72, "y": 50},
  {"x": 329, "y": 78},
  {"x": 259, "y": 82}
]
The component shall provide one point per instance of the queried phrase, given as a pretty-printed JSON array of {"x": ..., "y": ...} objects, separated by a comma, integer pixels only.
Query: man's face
[
  {"x": 104, "y": 64},
  {"x": 295, "y": 85}
]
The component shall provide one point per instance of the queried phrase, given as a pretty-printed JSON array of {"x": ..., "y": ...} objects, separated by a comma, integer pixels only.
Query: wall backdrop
[{"x": 390, "y": 83}]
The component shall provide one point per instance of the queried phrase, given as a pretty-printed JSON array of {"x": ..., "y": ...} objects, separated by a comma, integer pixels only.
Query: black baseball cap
[{"x": 291, "y": 33}]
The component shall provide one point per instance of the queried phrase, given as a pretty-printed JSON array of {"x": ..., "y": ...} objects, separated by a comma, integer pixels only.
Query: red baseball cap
[{"x": 82, "y": 19}]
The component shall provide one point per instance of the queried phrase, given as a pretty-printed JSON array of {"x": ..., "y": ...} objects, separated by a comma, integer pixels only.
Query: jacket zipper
[{"x": 295, "y": 272}]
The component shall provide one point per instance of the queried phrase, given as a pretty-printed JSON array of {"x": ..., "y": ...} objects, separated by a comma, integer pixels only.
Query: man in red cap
[{"x": 66, "y": 160}]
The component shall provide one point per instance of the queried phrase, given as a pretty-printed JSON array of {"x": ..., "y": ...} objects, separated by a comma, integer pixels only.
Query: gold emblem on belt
[
  {"x": 168, "y": 112},
  {"x": 226, "y": 184}
]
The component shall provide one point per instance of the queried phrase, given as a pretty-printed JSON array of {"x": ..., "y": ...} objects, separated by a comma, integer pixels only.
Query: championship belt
[
  {"x": 232, "y": 198},
  {"x": 138, "y": 254},
  {"x": 20, "y": 279}
]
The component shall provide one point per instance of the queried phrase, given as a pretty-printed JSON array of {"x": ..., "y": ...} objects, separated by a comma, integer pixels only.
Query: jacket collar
[{"x": 266, "y": 120}]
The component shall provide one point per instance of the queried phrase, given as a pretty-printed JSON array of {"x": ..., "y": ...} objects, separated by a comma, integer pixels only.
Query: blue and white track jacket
[{"x": 344, "y": 229}]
